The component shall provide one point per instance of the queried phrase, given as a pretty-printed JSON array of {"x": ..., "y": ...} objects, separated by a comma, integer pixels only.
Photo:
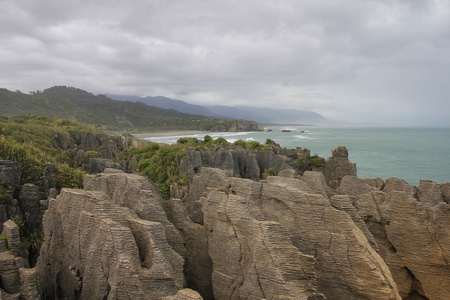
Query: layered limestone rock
[
  {"x": 111, "y": 240},
  {"x": 16, "y": 281},
  {"x": 243, "y": 163},
  {"x": 410, "y": 227},
  {"x": 280, "y": 238}
]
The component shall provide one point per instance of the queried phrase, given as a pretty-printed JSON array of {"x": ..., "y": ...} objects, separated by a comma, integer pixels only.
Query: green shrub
[
  {"x": 5, "y": 197},
  {"x": 69, "y": 177},
  {"x": 207, "y": 139},
  {"x": 270, "y": 172},
  {"x": 221, "y": 141},
  {"x": 240, "y": 143},
  {"x": 316, "y": 161}
]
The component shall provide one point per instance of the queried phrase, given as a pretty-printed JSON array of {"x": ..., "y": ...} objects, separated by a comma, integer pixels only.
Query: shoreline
[{"x": 168, "y": 133}]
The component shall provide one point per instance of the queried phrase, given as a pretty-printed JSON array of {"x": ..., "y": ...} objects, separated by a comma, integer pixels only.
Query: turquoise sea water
[{"x": 408, "y": 153}]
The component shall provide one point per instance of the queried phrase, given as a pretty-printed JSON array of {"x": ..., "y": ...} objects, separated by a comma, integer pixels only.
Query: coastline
[{"x": 168, "y": 133}]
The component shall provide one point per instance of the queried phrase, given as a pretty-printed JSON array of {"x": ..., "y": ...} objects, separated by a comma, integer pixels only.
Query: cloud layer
[{"x": 355, "y": 60}]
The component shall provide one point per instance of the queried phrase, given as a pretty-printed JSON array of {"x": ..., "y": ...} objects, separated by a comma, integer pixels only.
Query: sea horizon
[{"x": 410, "y": 153}]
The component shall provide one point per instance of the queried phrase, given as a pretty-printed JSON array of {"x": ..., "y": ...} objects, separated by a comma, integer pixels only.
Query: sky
[{"x": 361, "y": 61}]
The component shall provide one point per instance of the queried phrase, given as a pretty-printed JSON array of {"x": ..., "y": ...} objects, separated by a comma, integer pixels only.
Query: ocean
[{"x": 408, "y": 153}]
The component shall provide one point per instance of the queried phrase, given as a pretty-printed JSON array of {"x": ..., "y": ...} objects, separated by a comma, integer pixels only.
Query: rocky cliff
[
  {"x": 240, "y": 234},
  {"x": 111, "y": 240}
]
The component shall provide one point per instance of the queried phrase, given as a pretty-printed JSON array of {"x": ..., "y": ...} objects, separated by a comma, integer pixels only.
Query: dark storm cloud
[{"x": 383, "y": 61}]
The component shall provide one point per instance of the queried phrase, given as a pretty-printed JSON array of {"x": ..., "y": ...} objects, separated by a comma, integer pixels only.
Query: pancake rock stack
[{"x": 111, "y": 240}]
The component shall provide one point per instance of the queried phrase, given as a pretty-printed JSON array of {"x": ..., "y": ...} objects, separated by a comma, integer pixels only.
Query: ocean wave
[{"x": 303, "y": 137}]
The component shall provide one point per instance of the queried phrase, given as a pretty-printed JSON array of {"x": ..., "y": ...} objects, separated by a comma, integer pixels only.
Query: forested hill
[{"x": 105, "y": 113}]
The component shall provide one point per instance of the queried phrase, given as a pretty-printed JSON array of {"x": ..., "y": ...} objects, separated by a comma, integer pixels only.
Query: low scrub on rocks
[
  {"x": 161, "y": 162},
  {"x": 29, "y": 141}
]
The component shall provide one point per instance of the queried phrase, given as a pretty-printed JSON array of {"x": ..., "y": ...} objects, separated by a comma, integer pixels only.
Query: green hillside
[{"x": 105, "y": 113}]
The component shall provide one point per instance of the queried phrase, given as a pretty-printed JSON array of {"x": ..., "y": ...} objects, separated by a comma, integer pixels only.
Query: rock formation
[
  {"x": 16, "y": 281},
  {"x": 279, "y": 239},
  {"x": 111, "y": 240},
  {"x": 238, "y": 233},
  {"x": 410, "y": 231}
]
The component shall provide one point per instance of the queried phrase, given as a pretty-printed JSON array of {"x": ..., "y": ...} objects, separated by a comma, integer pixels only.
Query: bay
[{"x": 408, "y": 153}]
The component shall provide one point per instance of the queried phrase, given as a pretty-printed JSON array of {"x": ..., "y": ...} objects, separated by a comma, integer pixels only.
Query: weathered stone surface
[
  {"x": 48, "y": 179},
  {"x": 138, "y": 194},
  {"x": 98, "y": 165},
  {"x": 338, "y": 166},
  {"x": 10, "y": 173},
  {"x": 185, "y": 294},
  {"x": 29, "y": 199},
  {"x": 246, "y": 227},
  {"x": 11, "y": 231},
  {"x": 352, "y": 185},
  {"x": 288, "y": 173},
  {"x": 408, "y": 231},
  {"x": 110, "y": 240},
  {"x": 29, "y": 289},
  {"x": 316, "y": 181},
  {"x": 198, "y": 264},
  {"x": 240, "y": 162},
  {"x": 445, "y": 189},
  {"x": 429, "y": 193},
  {"x": 420, "y": 237},
  {"x": 209, "y": 178},
  {"x": 398, "y": 184},
  {"x": 10, "y": 211},
  {"x": 343, "y": 203},
  {"x": 60, "y": 141},
  {"x": 347, "y": 266},
  {"x": 9, "y": 273},
  {"x": 377, "y": 183},
  {"x": 340, "y": 152}
]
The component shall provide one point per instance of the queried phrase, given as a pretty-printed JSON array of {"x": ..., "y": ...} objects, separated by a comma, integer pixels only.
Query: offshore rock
[{"x": 111, "y": 240}]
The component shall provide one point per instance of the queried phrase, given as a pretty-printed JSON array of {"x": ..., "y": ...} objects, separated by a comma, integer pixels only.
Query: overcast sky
[{"x": 380, "y": 61}]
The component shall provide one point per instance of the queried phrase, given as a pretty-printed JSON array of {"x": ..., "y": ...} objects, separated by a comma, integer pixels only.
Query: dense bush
[{"x": 29, "y": 141}]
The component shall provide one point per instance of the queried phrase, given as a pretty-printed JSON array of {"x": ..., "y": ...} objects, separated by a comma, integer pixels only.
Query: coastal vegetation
[
  {"x": 29, "y": 141},
  {"x": 160, "y": 162}
]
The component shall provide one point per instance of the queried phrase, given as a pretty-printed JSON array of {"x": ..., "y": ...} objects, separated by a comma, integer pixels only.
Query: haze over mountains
[
  {"x": 102, "y": 112},
  {"x": 262, "y": 115}
]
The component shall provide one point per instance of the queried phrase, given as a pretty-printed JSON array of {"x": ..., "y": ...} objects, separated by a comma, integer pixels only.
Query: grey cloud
[{"x": 352, "y": 60}]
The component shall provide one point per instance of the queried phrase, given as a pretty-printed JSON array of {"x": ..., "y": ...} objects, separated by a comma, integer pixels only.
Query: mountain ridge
[
  {"x": 108, "y": 114},
  {"x": 264, "y": 115}
]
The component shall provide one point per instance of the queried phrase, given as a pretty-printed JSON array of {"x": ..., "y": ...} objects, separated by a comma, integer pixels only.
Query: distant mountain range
[
  {"x": 102, "y": 112},
  {"x": 262, "y": 115}
]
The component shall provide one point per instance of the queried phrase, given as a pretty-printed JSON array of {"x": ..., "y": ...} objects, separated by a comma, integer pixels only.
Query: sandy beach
[{"x": 168, "y": 133}]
